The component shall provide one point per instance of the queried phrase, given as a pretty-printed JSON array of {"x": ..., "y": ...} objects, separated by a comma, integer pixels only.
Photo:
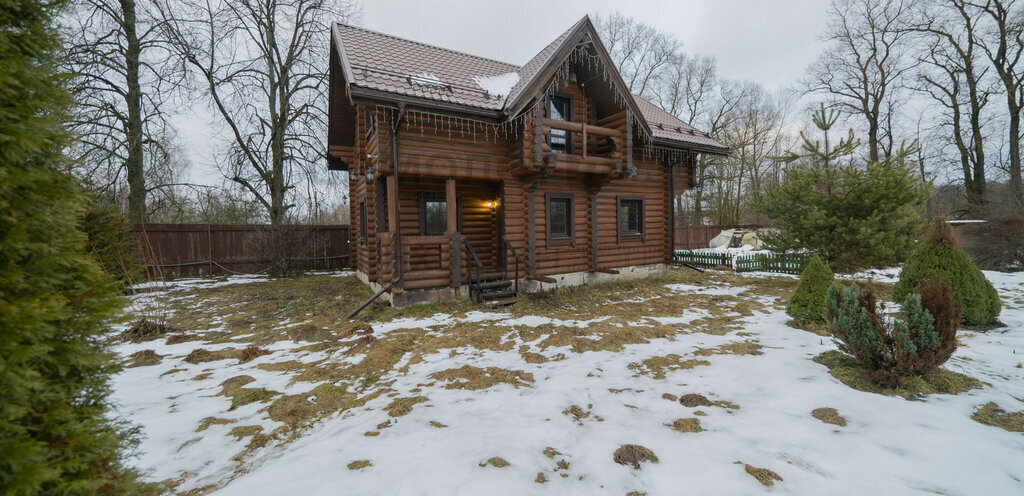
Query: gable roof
[{"x": 381, "y": 65}]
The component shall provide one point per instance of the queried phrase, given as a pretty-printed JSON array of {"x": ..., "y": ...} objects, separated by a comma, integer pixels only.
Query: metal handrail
[
  {"x": 469, "y": 271},
  {"x": 508, "y": 246}
]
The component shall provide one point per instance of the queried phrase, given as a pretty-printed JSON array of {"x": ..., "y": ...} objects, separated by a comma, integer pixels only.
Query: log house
[{"x": 474, "y": 177}]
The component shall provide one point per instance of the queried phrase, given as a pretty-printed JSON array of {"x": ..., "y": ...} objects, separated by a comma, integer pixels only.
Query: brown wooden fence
[
  {"x": 697, "y": 237},
  {"x": 177, "y": 250}
]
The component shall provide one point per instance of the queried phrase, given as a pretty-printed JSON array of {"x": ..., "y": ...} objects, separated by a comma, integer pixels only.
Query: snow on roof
[
  {"x": 426, "y": 79},
  {"x": 497, "y": 86}
]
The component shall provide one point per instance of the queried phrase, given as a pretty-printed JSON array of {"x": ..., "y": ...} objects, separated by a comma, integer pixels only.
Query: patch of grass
[
  {"x": 201, "y": 355},
  {"x": 299, "y": 410},
  {"x": 475, "y": 378},
  {"x": 403, "y": 406},
  {"x": 359, "y": 464},
  {"x": 750, "y": 347},
  {"x": 811, "y": 327},
  {"x": 496, "y": 462},
  {"x": 657, "y": 366},
  {"x": 208, "y": 421},
  {"x": 144, "y": 358},
  {"x": 143, "y": 330},
  {"x": 181, "y": 337},
  {"x": 241, "y": 396},
  {"x": 252, "y": 352},
  {"x": 245, "y": 431},
  {"x": 991, "y": 414},
  {"x": 371, "y": 433},
  {"x": 938, "y": 381},
  {"x": 439, "y": 425},
  {"x": 551, "y": 452},
  {"x": 669, "y": 396},
  {"x": 577, "y": 413},
  {"x": 694, "y": 400},
  {"x": 540, "y": 478},
  {"x": 633, "y": 455},
  {"x": 686, "y": 425},
  {"x": 764, "y": 476},
  {"x": 829, "y": 416},
  {"x": 530, "y": 357}
]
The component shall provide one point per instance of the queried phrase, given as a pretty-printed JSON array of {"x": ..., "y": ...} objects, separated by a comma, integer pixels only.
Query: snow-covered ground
[{"x": 889, "y": 446}]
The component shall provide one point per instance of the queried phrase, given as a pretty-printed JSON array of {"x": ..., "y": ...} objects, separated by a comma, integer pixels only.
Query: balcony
[{"x": 599, "y": 149}]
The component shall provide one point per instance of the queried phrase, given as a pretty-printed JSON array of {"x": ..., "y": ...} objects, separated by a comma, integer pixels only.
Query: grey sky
[{"x": 767, "y": 41}]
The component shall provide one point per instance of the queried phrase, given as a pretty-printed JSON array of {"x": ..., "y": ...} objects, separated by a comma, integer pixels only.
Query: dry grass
[
  {"x": 764, "y": 476},
  {"x": 439, "y": 425},
  {"x": 829, "y": 416},
  {"x": 300, "y": 410},
  {"x": 143, "y": 330},
  {"x": 475, "y": 378},
  {"x": 496, "y": 462},
  {"x": 241, "y": 396},
  {"x": 540, "y": 478},
  {"x": 686, "y": 425},
  {"x": 359, "y": 464},
  {"x": 669, "y": 396},
  {"x": 937, "y": 381},
  {"x": 202, "y": 355},
  {"x": 182, "y": 337},
  {"x": 403, "y": 406},
  {"x": 208, "y": 421},
  {"x": 633, "y": 455},
  {"x": 656, "y": 367},
  {"x": 551, "y": 452},
  {"x": 750, "y": 347},
  {"x": 251, "y": 352},
  {"x": 991, "y": 414},
  {"x": 577, "y": 413},
  {"x": 144, "y": 358},
  {"x": 245, "y": 431},
  {"x": 694, "y": 400}
]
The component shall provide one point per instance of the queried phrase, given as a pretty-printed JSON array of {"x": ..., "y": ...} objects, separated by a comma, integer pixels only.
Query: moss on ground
[
  {"x": 938, "y": 381},
  {"x": 656, "y": 367}
]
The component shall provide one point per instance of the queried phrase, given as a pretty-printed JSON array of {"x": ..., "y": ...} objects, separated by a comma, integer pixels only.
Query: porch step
[{"x": 496, "y": 284}]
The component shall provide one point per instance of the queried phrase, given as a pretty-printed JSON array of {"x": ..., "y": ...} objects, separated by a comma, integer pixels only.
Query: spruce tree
[
  {"x": 808, "y": 301},
  {"x": 938, "y": 256},
  {"x": 853, "y": 216},
  {"x": 55, "y": 302}
]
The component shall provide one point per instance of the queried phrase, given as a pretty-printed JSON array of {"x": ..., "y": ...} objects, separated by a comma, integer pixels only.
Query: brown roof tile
[{"x": 389, "y": 64}]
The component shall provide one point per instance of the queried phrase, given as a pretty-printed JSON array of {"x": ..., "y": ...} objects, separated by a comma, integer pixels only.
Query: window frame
[
  {"x": 569, "y": 149},
  {"x": 628, "y": 235},
  {"x": 570, "y": 224},
  {"x": 432, "y": 196},
  {"x": 363, "y": 222}
]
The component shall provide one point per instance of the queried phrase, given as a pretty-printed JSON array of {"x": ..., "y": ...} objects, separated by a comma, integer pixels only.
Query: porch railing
[
  {"x": 507, "y": 247},
  {"x": 473, "y": 281}
]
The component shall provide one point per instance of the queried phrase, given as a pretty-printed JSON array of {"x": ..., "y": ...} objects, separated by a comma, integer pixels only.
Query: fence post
[{"x": 209, "y": 246}]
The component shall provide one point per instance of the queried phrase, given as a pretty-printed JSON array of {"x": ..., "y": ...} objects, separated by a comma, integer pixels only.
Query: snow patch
[{"x": 498, "y": 86}]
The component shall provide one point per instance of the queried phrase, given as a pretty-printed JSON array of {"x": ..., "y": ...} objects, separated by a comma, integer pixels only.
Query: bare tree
[
  {"x": 954, "y": 76},
  {"x": 640, "y": 51},
  {"x": 863, "y": 68},
  {"x": 263, "y": 65},
  {"x": 1004, "y": 46},
  {"x": 115, "y": 56}
]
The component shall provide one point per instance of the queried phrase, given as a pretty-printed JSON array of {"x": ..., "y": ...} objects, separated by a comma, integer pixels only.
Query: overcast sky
[{"x": 767, "y": 41}]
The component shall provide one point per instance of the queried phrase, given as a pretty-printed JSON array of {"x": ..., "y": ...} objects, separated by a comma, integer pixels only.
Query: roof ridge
[{"x": 428, "y": 45}]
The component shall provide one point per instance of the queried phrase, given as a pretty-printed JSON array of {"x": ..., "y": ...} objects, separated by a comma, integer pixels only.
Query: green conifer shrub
[
  {"x": 938, "y": 256},
  {"x": 923, "y": 339},
  {"x": 853, "y": 215},
  {"x": 56, "y": 436},
  {"x": 807, "y": 305}
]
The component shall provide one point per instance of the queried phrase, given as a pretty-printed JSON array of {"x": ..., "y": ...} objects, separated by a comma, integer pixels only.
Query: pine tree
[
  {"x": 938, "y": 256},
  {"x": 55, "y": 302},
  {"x": 852, "y": 216},
  {"x": 808, "y": 301}
]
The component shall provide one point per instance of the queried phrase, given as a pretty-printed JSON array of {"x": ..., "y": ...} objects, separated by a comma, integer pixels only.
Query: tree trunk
[
  {"x": 134, "y": 161},
  {"x": 1016, "y": 188},
  {"x": 872, "y": 140}
]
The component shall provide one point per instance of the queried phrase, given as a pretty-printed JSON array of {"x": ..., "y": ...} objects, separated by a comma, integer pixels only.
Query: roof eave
[
  {"x": 371, "y": 95},
  {"x": 695, "y": 147}
]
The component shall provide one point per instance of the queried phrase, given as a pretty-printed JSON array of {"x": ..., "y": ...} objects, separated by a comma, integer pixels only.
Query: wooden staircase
[{"x": 493, "y": 288}]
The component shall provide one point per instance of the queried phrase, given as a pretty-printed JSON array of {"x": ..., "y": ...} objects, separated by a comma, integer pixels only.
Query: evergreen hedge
[
  {"x": 938, "y": 256},
  {"x": 807, "y": 305},
  {"x": 56, "y": 436}
]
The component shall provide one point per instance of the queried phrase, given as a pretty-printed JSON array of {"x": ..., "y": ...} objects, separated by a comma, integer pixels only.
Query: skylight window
[{"x": 426, "y": 79}]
